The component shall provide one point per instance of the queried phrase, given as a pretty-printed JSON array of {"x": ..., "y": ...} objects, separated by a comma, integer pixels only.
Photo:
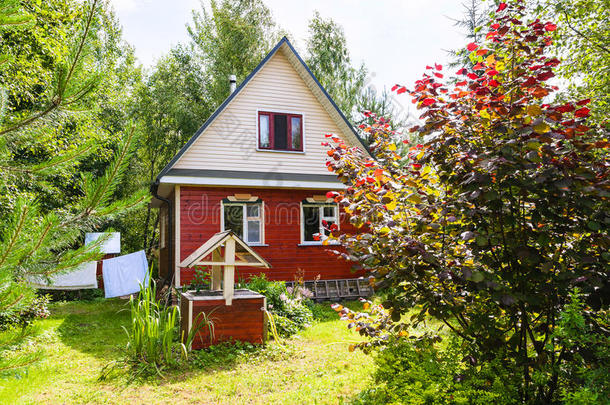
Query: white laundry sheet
[
  {"x": 81, "y": 278},
  {"x": 124, "y": 274}
]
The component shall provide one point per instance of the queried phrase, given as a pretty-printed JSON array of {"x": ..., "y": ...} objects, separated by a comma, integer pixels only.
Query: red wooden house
[{"x": 257, "y": 167}]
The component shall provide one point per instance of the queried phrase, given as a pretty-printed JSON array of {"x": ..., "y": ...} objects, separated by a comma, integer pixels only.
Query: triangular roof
[
  {"x": 311, "y": 81},
  {"x": 246, "y": 255}
]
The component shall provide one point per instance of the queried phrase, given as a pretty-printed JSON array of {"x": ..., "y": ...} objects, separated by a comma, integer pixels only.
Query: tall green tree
[
  {"x": 231, "y": 38},
  {"x": 472, "y": 23},
  {"x": 171, "y": 104},
  {"x": 36, "y": 241},
  {"x": 582, "y": 42},
  {"x": 329, "y": 59}
]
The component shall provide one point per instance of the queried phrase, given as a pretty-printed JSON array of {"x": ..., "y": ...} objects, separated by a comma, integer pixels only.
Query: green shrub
[
  {"x": 200, "y": 281},
  {"x": 411, "y": 371},
  {"x": 285, "y": 326},
  {"x": 289, "y": 307},
  {"x": 582, "y": 335},
  {"x": 35, "y": 309}
]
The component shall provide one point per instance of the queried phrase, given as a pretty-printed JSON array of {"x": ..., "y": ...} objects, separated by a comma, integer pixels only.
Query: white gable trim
[{"x": 311, "y": 82}]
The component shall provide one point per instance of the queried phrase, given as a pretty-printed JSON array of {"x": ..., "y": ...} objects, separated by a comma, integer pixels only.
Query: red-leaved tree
[{"x": 503, "y": 209}]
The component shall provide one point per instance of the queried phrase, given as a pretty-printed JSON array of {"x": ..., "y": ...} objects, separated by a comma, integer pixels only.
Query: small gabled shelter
[{"x": 223, "y": 252}]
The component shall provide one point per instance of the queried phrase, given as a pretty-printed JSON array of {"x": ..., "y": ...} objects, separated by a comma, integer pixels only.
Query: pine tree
[{"x": 35, "y": 243}]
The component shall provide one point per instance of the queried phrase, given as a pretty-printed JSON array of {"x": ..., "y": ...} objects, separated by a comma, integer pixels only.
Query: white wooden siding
[{"x": 230, "y": 142}]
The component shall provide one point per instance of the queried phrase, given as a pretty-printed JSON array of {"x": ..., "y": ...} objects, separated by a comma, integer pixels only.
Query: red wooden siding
[
  {"x": 200, "y": 218},
  {"x": 243, "y": 320}
]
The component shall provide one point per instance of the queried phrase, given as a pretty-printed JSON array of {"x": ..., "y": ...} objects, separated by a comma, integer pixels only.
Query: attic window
[{"x": 280, "y": 131}]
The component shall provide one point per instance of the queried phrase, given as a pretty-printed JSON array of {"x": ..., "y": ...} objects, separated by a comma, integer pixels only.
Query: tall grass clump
[{"x": 154, "y": 340}]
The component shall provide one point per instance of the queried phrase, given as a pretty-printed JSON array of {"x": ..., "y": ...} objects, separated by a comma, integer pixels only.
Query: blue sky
[{"x": 396, "y": 39}]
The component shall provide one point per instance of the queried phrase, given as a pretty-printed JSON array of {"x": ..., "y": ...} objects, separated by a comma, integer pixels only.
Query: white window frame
[
  {"x": 261, "y": 218},
  {"x": 321, "y": 216},
  {"x": 272, "y": 110}
]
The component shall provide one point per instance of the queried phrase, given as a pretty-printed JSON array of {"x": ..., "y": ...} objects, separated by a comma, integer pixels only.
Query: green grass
[{"x": 81, "y": 337}]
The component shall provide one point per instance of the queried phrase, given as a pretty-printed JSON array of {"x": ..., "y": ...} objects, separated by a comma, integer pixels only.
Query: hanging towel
[
  {"x": 123, "y": 275},
  {"x": 82, "y": 278}
]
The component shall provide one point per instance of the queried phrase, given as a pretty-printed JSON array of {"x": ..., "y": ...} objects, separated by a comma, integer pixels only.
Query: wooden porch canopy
[{"x": 236, "y": 253}]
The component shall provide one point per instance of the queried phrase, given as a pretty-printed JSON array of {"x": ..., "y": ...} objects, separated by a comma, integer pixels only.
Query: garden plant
[{"x": 492, "y": 221}]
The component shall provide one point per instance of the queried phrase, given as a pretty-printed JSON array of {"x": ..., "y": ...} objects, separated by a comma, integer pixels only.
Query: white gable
[{"x": 229, "y": 143}]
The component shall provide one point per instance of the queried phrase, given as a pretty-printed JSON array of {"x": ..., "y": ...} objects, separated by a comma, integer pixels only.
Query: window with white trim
[
  {"x": 245, "y": 219},
  {"x": 318, "y": 219}
]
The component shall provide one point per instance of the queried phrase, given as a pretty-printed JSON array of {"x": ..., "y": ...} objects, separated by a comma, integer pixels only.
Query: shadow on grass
[{"x": 94, "y": 327}]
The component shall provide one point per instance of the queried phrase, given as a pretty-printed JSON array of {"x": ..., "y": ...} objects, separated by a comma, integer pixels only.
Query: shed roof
[{"x": 245, "y": 254}]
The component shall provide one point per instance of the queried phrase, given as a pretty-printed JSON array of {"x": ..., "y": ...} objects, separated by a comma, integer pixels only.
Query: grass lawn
[{"x": 81, "y": 337}]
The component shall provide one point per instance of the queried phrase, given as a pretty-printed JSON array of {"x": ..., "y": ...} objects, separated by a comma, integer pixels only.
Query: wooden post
[
  {"x": 216, "y": 270},
  {"x": 229, "y": 271}
]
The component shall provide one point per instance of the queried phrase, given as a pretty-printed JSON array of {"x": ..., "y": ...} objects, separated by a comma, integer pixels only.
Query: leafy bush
[
  {"x": 414, "y": 371},
  {"x": 200, "y": 281},
  {"x": 285, "y": 326},
  {"x": 35, "y": 309},
  {"x": 289, "y": 307},
  {"x": 499, "y": 212},
  {"x": 586, "y": 377}
]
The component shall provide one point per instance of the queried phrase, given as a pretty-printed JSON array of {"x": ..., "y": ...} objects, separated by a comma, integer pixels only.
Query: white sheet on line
[
  {"x": 123, "y": 275},
  {"x": 82, "y": 278}
]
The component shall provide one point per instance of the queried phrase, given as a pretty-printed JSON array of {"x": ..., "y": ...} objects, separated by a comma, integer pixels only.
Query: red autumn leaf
[
  {"x": 550, "y": 27},
  {"x": 370, "y": 180},
  {"x": 552, "y": 62},
  {"x": 501, "y": 7},
  {"x": 401, "y": 90},
  {"x": 545, "y": 76},
  {"x": 494, "y": 83},
  {"x": 438, "y": 67},
  {"x": 378, "y": 173},
  {"x": 395, "y": 87},
  {"x": 429, "y": 67},
  {"x": 478, "y": 66},
  {"x": 530, "y": 81},
  {"x": 472, "y": 46},
  {"x": 462, "y": 71},
  {"x": 540, "y": 92},
  {"x": 462, "y": 83},
  {"x": 582, "y": 112},
  {"x": 491, "y": 34},
  {"x": 492, "y": 72},
  {"x": 428, "y": 101},
  {"x": 416, "y": 166},
  {"x": 439, "y": 75},
  {"x": 584, "y": 102},
  {"x": 495, "y": 26},
  {"x": 565, "y": 108},
  {"x": 331, "y": 194},
  {"x": 472, "y": 76}
]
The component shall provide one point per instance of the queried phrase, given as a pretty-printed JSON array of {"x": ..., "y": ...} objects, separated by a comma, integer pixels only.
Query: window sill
[
  {"x": 318, "y": 244},
  {"x": 298, "y": 152},
  {"x": 257, "y": 244}
]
